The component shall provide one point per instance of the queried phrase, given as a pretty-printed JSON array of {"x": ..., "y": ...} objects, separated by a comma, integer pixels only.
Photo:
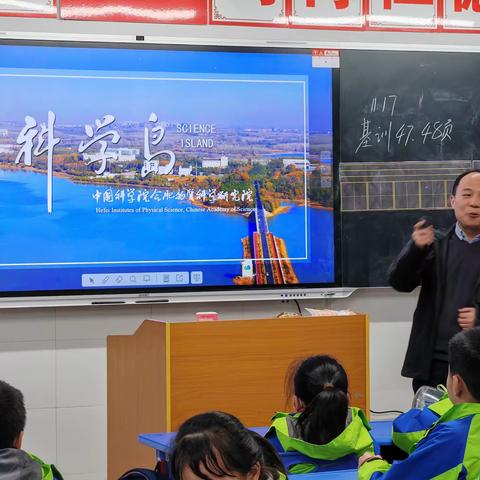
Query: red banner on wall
[
  {"x": 192, "y": 12},
  {"x": 248, "y": 12},
  {"x": 327, "y": 14},
  {"x": 412, "y": 14},
  {"x": 399, "y": 15},
  {"x": 461, "y": 15},
  {"x": 28, "y": 8}
]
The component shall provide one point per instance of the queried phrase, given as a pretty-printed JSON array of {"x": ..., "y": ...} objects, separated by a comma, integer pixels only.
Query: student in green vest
[
  {"x": 216, "y": 446},
  {"x": 324, "y": 428},
  {"x": 15, "y": 463}
]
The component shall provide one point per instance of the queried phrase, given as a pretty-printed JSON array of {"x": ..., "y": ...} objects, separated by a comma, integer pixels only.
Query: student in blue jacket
[
  {"x": 15, "y": 463},
  {"x": 324, "y": 428},
  {"x": 410, "y": 427},
  {"x": 450, "y": 450}
]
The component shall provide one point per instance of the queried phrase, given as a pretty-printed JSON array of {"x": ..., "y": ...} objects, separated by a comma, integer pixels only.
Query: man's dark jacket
[{"x": 426, "y": 267}]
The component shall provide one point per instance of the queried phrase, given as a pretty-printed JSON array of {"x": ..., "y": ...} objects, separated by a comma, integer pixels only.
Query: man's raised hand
[{"x": 422, "y": 235}]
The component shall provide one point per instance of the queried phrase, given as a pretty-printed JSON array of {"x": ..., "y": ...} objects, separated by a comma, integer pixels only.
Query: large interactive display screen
[{"x": 138, "y": 169}]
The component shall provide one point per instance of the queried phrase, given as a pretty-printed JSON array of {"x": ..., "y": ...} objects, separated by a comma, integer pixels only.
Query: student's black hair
[
  {"x": 222, "y": 446},
  {"x": 321, "y": 383},
  {"x": 464, "y": 359},
  {"x": 12, "y": 414},
  {"x": 457, "y": 180}
]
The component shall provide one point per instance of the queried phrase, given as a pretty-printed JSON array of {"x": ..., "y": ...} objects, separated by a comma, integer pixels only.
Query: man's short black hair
[
  {"x": 457, "y": 180},
  {"x": 464, "y": 359},
  {"x": 12, "y": 414}
]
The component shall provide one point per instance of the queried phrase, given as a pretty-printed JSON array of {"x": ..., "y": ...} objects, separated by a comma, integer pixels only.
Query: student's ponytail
[
  {"x": 325, "y": 416},
  {"x": 320, "y": 383}
]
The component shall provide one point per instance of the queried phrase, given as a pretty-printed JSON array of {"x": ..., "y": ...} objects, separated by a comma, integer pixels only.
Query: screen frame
[{"x": 198, "y": 293}]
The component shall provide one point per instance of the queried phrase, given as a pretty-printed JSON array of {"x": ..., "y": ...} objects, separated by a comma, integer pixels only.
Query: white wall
[
  {"x": 57, "y": 356},
  {"x": 390, "y": 315}
]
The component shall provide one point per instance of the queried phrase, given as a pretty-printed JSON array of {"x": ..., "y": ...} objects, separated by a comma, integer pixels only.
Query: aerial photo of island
[{"x": 153, "y": 169}]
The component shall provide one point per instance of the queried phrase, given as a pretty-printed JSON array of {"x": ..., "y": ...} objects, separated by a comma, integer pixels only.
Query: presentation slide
[{"x": 125, "y": 168}]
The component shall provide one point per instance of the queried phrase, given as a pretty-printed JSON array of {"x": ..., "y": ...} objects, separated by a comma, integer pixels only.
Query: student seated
[
  {"x": 16, "y": 464},
  {"x": 450, "y": 449},
  {"x": 215, "y": 446},
  {"x": 324, "y": 427}
]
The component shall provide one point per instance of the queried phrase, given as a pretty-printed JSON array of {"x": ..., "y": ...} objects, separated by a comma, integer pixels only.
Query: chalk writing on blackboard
[
  {"x": 381, "y": 126},
  {"x": 424, "y": 108}
]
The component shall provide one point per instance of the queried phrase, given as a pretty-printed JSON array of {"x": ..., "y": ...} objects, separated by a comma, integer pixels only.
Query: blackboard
[{"x": 409, "y": 124}]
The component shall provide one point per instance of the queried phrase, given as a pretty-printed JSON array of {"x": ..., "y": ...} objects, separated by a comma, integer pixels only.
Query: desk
[
  {"x": 381, "y": 433},
  {"x": 161, "y": 443}
]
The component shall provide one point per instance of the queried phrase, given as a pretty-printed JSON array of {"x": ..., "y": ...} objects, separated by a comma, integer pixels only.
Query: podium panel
[{"x": 167, "y": 372}]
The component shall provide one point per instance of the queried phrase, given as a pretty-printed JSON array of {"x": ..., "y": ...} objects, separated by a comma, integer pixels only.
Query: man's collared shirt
[{"x": 461, "y": 235}]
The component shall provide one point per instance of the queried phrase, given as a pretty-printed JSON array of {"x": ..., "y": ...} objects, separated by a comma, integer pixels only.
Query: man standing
[{"x": 447, "y": 266}]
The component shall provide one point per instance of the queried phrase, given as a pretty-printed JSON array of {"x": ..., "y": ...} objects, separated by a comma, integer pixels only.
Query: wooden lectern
[{"x": 167, "y": 372}]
